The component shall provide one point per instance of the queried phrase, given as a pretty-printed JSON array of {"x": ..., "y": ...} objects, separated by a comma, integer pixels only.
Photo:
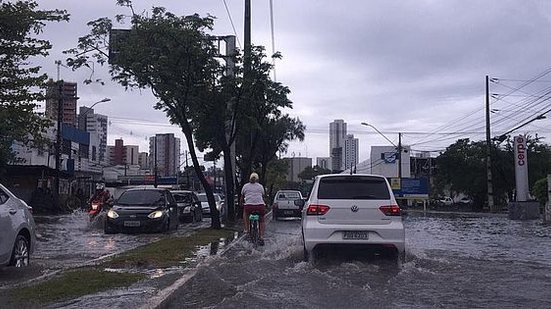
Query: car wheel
[
  {"x": 200, "y": 217},
  {"x": 21, "y": 253}
]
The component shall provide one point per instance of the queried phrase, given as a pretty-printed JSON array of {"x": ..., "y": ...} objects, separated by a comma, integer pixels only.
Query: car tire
[
  {"x": 200, "y": 216},
  {"x": 274, "y": 216},
  {"x": 20, "y": 255}
]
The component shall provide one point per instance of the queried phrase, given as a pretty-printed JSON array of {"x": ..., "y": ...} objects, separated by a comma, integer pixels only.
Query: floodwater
[
  {"x": 453, "y": 261},
  {"x": 71, "y": 240}
]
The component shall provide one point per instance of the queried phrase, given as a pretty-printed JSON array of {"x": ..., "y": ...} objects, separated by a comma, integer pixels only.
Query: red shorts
[{"x": 260, "y": 209}]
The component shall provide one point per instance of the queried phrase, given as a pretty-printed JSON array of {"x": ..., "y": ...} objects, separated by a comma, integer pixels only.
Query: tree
[
  {"x": 540, "y": 190},
  {"x": 462, "y": 169},
  {"x": 171, "y": 55},
  {"x": 310, "y": 173},
  {"x": 22, "y": 85},
  {"x": 264, "y": 129}
]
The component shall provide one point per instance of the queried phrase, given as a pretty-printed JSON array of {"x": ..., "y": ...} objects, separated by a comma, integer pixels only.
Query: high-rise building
[
  {"x": 337, "y": 135},
  {"x": 96, "y": 124},
  {"x": 324, "y": 162},
  {"x": 296, "y": 166},
  {"x": 143, "y": 160},
  {"x": 69, "y": 107},
  {"x": 121, "y": 154},
  {"x": 351, "y": 151},
  {"x": 164, "y": 150}
]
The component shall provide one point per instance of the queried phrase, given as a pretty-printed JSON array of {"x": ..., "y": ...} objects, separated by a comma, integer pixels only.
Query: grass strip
[
  {"x": 167, "y": 252},
  {"x": 73, "y": 284}
]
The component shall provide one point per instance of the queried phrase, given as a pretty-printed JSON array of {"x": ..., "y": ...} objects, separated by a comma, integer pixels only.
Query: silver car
[
  {"x": 357, "y": 211},
  {"x": 220, "y": 205},
  {"x": 17, "y": 230}
]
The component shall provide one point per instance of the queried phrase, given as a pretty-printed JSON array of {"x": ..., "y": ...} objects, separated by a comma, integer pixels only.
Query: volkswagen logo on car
[{"x": 354, "y": 208}]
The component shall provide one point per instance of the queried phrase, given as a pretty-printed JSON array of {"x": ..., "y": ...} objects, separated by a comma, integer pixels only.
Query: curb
[{"x": 166, "y": 296}]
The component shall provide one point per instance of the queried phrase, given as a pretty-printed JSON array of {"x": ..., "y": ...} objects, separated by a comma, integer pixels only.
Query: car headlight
[
  {"x": 112, "y": 214},
  {"x": 187, "y": 209},
  {"x": 155, "y": 214}
]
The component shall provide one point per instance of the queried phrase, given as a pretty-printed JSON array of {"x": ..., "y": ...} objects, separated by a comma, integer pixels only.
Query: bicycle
[{"x": 254, "y": 228}]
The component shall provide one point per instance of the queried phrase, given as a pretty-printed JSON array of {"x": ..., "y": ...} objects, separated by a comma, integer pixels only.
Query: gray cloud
[{"x": 402, "y": 65}]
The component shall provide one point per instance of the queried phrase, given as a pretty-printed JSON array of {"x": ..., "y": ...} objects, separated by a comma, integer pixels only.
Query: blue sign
[
  {"x": 413, "y": 187},
  {"x": 389, "y": 157}
]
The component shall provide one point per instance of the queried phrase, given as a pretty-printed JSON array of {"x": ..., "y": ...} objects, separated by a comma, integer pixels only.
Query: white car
[
  {"x": 351, "y": 210},
  {"x": 205, "y": 204},
  {"x": 284, "y": 204},
  {"x": 17, "y": 230}
]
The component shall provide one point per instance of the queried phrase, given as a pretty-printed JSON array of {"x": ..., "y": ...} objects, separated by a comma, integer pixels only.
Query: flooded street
[
  {"x": 66, "y": 241},
  {"x": 457, "y": 261},
  {"x": 70, "y": 240}
]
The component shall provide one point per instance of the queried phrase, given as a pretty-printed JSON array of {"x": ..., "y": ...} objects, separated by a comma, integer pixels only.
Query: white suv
[{"x": 352, "y": 210}]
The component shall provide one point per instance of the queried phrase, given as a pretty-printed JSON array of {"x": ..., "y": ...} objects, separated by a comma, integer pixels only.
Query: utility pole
[
  {"x": 247, "y": 36},
  {"x": 187, "y": 174},
  {"x": 399, "y": 157},
  {"x": 155, "y": 163},
  {"x": 59, "y": 140},
  {"x": 489, "y": 149}
]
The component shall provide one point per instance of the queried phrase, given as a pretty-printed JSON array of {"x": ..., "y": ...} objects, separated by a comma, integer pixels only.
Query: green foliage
[
  {"x": 310, "y": 173},
  {"x": 21, "y": 84},
  {"x": 462, "y": 169},
  {"x": 172, "y": 55},
  {"x": 276, "y": 177},
  {"x": 540, "y": 190}
]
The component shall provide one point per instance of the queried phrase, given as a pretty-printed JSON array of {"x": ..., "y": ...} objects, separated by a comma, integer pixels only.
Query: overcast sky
[{"x": 402, "y": 66}]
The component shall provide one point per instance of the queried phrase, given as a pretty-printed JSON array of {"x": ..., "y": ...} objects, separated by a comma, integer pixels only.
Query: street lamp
[
  {"x": 399, "y": 149},
  {"x": 82, "y": 117},
  {"x": 503, "y": 136}
]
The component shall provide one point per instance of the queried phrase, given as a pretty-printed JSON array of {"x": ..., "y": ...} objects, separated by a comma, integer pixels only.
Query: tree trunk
[
  {"x": 215, "y": 216},
  {"x": 230, "y": 185}
]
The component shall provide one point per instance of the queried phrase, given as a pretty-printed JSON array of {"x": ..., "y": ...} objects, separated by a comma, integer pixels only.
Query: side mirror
[{"x": 299, "y": 203}]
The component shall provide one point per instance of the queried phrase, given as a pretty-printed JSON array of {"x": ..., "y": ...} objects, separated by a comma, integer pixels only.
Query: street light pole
[{"x": 82, "y": 117}]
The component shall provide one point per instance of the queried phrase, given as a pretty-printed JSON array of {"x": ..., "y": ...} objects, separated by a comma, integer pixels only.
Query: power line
[{"x": 231, "y": 22}]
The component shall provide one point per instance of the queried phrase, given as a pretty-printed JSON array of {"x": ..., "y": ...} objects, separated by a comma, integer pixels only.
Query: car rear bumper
[
  {"x": 316, "y": 234},
  {"x": 287, "y": 212}
]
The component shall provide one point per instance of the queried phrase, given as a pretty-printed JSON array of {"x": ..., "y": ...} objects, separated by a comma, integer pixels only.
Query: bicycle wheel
[{"x": 254, "y": 232}]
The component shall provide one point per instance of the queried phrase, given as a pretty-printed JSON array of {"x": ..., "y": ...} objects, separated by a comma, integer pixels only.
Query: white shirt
[{"x": 253, "y": 193}]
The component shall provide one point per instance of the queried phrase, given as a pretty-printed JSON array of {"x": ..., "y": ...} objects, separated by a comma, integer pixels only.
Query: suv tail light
[
  {"x": 390, "y": 210},
  {"x": 317, "y": 210}
]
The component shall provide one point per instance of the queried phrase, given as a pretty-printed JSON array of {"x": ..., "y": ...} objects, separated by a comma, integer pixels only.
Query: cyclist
[{"x": 252, "y": 198}]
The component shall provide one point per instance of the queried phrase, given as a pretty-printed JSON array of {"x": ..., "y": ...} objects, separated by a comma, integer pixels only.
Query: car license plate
[
  {"x": 356, "y": 235},
  {"x": 132, "y": 223},
  {"x": 288, "y": 212}
]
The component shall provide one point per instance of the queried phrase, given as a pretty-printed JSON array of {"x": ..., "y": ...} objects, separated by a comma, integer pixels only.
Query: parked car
[
  {"x": 143, "y": 209},
  {"x": 17, "y": 230},
  {"x": 189, "y": 206},
  {"x": 445, "y": 201},
  {"x": 284, "y": 204},
  {"x": 465, "y": 201},
  {"x": 352, "y": 210},
  {"x": 205, "y": 204}
]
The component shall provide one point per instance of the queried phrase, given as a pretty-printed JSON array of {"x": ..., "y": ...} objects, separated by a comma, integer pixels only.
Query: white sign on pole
[{"x": 521, "y": 169}]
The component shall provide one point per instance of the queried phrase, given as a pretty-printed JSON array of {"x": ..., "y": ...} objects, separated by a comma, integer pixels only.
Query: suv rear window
[
  {"x": 288, "y": 196},
  {"x": 353, "y": 188}
]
